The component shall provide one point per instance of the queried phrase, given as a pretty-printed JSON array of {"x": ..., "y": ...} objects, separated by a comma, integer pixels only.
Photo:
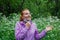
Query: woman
[{"x": 26, "y": 30}]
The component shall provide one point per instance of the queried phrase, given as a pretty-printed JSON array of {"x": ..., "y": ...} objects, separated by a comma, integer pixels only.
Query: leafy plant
[{"x": 7, "y": 25}]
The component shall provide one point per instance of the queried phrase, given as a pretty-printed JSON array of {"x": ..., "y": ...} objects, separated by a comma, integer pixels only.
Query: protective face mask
[{"x": 25, "y": 20}]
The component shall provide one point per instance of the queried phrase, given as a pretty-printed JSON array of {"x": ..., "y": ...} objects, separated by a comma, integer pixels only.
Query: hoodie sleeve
[
  {"x": 39, "y": 35},
  {"x": 20, "y": 32}
]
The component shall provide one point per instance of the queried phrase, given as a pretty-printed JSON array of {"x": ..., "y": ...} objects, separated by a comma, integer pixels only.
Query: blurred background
[{"x": 44, "y": 12}]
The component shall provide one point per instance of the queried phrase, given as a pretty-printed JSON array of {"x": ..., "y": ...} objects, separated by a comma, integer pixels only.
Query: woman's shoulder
[
  {"x": 19, "y": 22},
  {"x": 34, "y": 25}
]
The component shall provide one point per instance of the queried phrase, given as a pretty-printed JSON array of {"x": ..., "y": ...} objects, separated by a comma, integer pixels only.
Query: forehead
[{"x": 26, "y": 11}]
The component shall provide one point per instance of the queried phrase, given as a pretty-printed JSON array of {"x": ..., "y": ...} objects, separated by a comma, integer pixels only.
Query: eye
[{"x": 26, "y": 13}]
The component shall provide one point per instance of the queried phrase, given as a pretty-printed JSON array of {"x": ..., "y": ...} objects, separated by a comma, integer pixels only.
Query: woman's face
[{"x": 26, "y": 15}]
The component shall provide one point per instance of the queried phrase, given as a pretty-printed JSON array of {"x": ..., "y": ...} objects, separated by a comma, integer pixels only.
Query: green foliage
[
  {"x": 37, "y": 7},
  {"x": 54, "y": 21},
  {"x": 7, "y": 26}
]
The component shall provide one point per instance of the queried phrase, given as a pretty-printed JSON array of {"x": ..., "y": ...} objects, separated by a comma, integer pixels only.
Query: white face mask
[{"x": 26, "y": 20}]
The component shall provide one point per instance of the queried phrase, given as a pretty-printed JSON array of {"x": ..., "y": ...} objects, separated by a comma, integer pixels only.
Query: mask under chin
[{"x": 26, "y": 20}]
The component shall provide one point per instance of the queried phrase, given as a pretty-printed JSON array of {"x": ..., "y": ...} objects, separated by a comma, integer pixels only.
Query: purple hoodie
[{"x": 22, "y": 33}]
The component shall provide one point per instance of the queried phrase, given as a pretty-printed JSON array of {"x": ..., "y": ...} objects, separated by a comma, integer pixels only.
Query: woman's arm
[
  {"x": 43, "y": 33},
  {"x": 19, "y": 31},
  {"x": 39, "y": 35}
]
